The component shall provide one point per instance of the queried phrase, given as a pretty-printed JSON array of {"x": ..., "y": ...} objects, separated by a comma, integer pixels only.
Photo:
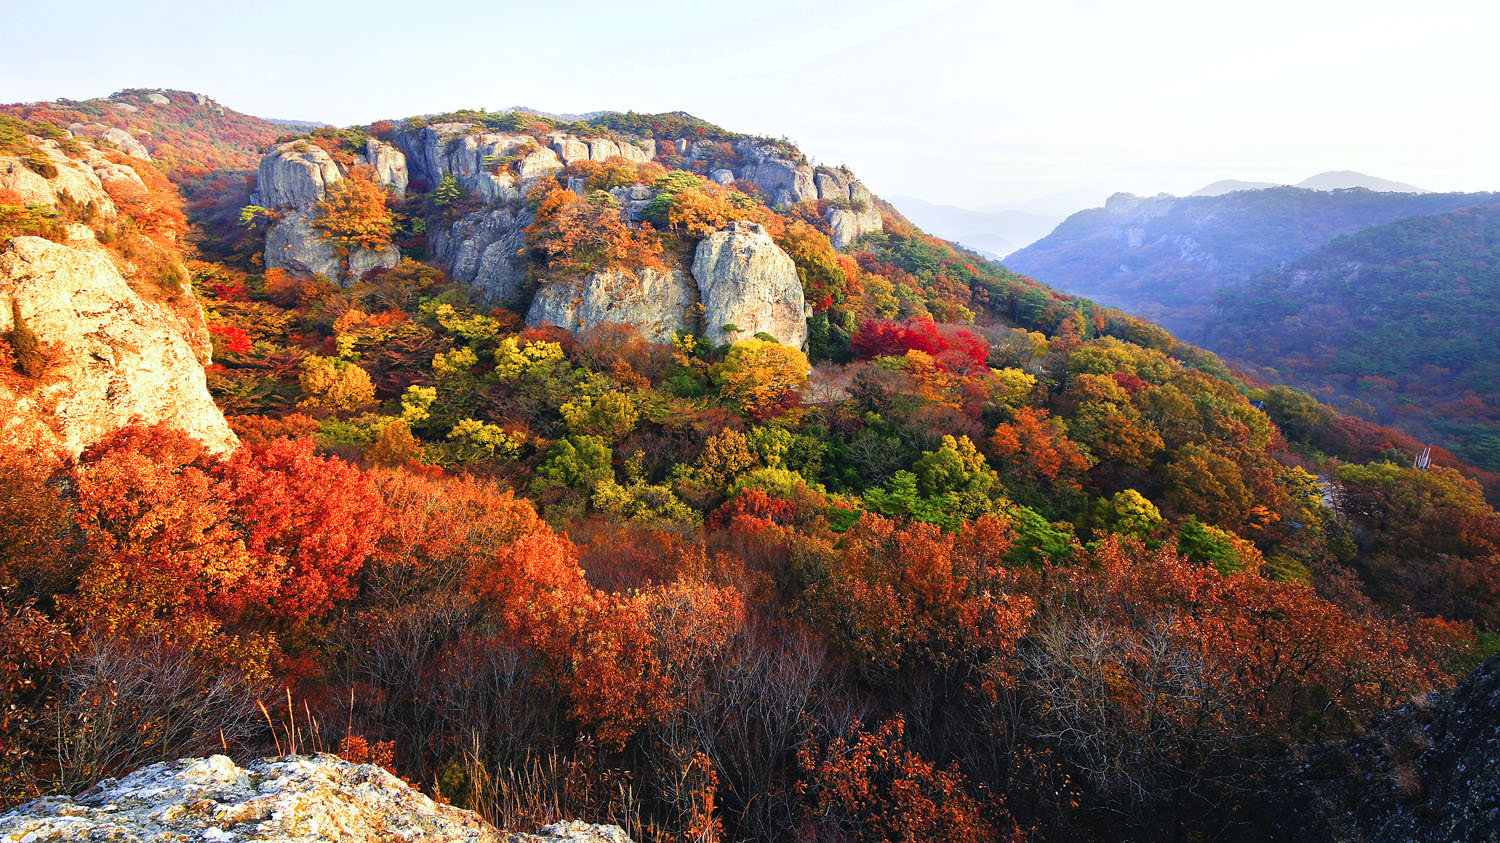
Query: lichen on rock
[{"x": 296, "y": 799}]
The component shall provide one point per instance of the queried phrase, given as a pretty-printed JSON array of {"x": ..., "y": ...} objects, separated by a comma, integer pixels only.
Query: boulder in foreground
[{"x": 293, "y": 798}]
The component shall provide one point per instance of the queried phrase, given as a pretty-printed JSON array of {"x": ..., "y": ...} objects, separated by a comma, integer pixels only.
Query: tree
[
  {"x": 761, "y": 377},
  {"x": 1127, "y": 513},
  {"x": 334, "y": 384},
  {"x": 353, "y": 215}
]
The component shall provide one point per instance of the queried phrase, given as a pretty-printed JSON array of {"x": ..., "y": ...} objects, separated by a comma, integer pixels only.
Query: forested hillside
[
  {"x": 1399, "y": 317},
  {"x": 1164, "y": 257},
  {"x": 638, "y": 470}
]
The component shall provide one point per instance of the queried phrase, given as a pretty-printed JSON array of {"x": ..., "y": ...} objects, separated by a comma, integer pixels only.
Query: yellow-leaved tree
[{"x": 761, "y": 376}]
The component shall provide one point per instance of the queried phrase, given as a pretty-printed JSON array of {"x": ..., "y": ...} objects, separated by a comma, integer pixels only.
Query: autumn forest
[{"x": 976, "y": 561}]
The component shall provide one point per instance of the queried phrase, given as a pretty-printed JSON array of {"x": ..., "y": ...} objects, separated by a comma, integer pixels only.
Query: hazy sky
[{"x": 961, "y": 102}]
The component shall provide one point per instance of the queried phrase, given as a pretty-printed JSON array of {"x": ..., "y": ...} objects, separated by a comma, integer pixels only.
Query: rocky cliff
[
  {"x": 739, "y": 276},
  {"x": 1426, "y": 772},
  {"x": 748, "y": 282},
  {"x": 292, "y": 178},
  {"x": 294, "y": 799},
  {"x": 92, "y": 354},
  {"x": 657, "y": 304}
]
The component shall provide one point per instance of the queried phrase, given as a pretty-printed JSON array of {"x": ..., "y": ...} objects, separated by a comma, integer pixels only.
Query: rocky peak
[
  {"x": 292, "y": 178},
  {"x": 295, "y": 799},
  {"x": 96, "y": 356},
  {"x": 748, "y": 282},
  {"x": 295, "y": 174}
]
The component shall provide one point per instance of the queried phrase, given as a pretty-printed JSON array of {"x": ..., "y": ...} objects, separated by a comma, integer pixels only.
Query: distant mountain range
[
  {"x": 1331, "y": 180},
  {"x": 1388, "y": 298},
  {"x": 1163, "y": 257},
  {"x": 1399, "y": 316},
  {"x": 997, "y": 229},
  {"x": 992, "y": 233}
]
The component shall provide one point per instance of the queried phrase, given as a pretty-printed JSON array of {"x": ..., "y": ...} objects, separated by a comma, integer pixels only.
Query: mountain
[
  {"x": 1163, "y": 257},
  {"x": 1219, "y": 188},
  {"x": 992, "y": 233},
  {"x": 638, "y": 469},
  {"x": 1399, "y": 316},
  {"x": 1347, "y": 179},
  {"x": 181, "y": 130},
  {"x": 1331, "y": 180}
]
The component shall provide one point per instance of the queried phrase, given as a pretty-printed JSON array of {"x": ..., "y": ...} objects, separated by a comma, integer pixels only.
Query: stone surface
[
  {"x": 293, "y": 245},
  {"x": 655, "y": 303},
  {"x": 388, "y": 163},
  {"x": 461, "y": 150},
  {"x": 481, "y": 250},
  {"x": 785, "y": 182},
  {"x": 294, "y": 798},
  {"x": 746, "y": 280},
  {"x": 112, "y": 357},
  {"x": 845, "y": 226},
  {"x": 158, "y": 99},
  {"x": 295, "y": 175}
]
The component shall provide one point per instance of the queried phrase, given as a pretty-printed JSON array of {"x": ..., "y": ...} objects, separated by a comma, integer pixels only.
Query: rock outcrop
[
  {"x": 388, "y": 163},
  {"x": 747, "y": 281},
  {"x": 482, "y": 250},
  {"x": 98, "y": 356},
  {"x": 119, "y": 138},
  {"x": 292, "y": 178},
  {"x": 571, "y": 149},
  {"x": 295, "y": 174},
  {"x": 846, "y": 226},
  {"x": 490, "y": 166},
  {"x": 656, "y": 303},
  {"x": 1426, "y": 772},
  {"x": 48, "y": 176},
  {"x": 294, "y": 799}
]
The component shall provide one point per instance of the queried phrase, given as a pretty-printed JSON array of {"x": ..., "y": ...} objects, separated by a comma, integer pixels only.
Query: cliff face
[
  {"x": 747, "y": 281},
  {"x": 94, "y": 355},
  {"x": 292, "y": 178},
  {"x": 739, "y": 275},
  {"x": 294, "y": 799},
  {"x": 656, "y": 303},
  {"x": 1429, "y": 771}
]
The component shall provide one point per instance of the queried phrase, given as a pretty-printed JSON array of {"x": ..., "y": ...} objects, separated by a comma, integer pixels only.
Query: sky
[{"x": 964, "y": 103}]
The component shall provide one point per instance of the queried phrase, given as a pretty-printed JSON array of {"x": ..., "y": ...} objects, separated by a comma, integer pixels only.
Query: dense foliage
[
  {"x": 1398, "y": 317},
  {"x": 1164, "y": 257},
  {"x": 985, "y": 562}
]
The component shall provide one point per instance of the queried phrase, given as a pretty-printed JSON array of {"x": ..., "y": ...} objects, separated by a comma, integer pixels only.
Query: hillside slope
[
  {"x": 181, "y": 130},
  {"x": 1164, "y": 257},
  {"x": 1400, "y": 316}
]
